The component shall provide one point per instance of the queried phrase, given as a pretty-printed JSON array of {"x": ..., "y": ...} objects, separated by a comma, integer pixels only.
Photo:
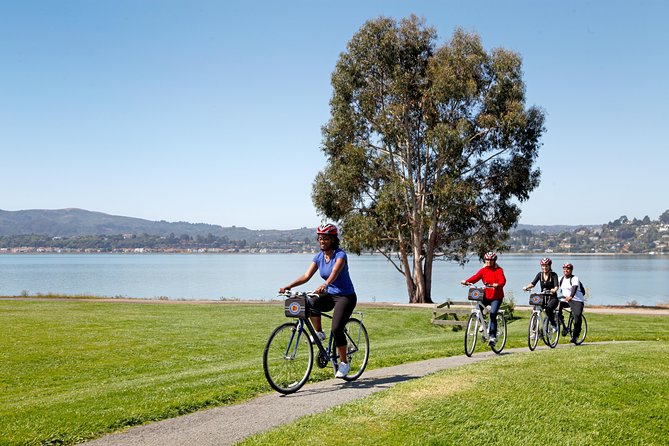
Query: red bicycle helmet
[
  {"x": 328, "y": 229},
  {"x": 490, "y": 256},
  {"x": 568, "y": 266},
  {"x": 546, "y": 261}
]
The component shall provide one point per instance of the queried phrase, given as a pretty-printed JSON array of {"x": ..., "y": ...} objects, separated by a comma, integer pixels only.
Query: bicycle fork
[{"x": 484, "y": 327}]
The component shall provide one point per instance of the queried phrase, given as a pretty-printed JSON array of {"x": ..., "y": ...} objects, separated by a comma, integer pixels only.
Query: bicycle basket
[
  {"x": 537, "y": 299},
  {"x": 296, "y": 307},
  {"x": 476, "y": 294}
]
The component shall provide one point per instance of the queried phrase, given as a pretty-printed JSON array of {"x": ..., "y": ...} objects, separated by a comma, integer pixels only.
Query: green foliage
[{"x": 428, "y": 146}]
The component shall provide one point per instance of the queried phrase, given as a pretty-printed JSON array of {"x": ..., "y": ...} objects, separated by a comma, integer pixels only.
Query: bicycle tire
[
  {"x": 357, "y": 349},
  {"x": 471, "y": 334},
  {"x": 551, "y": 333},
  {"x": 501, "y": 334},
  {"x": 584, "y": 329},
  {"x": 533, "y": 331},
  {"x": 288, "y": 358}
]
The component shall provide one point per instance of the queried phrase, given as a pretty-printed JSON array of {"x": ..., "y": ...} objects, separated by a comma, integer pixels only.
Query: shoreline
[
  {"x": 602, "y": 309},
  {"x": 35, "y": 251}
]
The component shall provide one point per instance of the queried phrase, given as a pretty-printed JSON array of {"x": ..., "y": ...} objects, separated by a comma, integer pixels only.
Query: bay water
[{"x": 611, "y": 280}]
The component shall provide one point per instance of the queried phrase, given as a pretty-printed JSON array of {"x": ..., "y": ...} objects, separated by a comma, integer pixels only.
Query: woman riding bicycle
[
  {"x": 337, "y": 292},
  {"x": 548, "y": 279},
  {"x": 494, "y": 280}
]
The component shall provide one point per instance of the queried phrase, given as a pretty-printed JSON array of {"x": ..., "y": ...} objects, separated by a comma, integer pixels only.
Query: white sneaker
[
  {"x": 343, "y": 369},
  {"x": 492, "y": 341},
  {"x": 320, "y": 335}
]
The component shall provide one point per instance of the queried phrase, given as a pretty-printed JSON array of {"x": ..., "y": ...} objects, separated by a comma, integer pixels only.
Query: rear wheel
[
  {"x": 533, "y": 331},
  {"x": 501, "y": 334},
  {"x": 288, "y": 358},
  {"x": 584, "y": 329},
  {"x": 471, "y": 333},
  {"x": 551, "y": 333},
  {"x": 357, "y": 350}
]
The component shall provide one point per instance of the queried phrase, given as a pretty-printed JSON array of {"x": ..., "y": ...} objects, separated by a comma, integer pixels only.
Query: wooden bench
[
  {"x": 447, "y": 314},
  {"x": 444, "y": 314}
]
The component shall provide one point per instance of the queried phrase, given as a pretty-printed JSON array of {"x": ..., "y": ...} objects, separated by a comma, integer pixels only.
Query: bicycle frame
[
  {"x": 482, "y": 324},
  {"x": 330, "y": 352}
]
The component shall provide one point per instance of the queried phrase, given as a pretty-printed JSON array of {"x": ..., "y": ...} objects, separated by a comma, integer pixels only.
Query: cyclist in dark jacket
[{"x": 548, "y": 279}]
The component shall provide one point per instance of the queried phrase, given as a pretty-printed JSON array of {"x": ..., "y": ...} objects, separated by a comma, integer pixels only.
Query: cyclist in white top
[{"x": 571, "y": 291}]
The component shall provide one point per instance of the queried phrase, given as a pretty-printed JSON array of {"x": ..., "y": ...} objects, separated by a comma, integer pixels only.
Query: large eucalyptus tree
[{"x": 429, "y": 148}]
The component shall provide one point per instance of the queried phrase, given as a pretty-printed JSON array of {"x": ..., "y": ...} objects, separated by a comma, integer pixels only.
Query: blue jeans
[{"x": 494, "y": 308}]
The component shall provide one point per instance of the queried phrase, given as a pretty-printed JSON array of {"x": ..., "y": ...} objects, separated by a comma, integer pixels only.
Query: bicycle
[
  {"x": 568, "y": 328},
  {"x": 477, "y": 322},
  {"x": 539, "y": 325},
  {"x": 288, "y": 357}
]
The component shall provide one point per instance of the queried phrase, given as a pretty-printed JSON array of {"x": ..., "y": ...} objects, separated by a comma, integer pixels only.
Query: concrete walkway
[{"x": 230, "y": 424}]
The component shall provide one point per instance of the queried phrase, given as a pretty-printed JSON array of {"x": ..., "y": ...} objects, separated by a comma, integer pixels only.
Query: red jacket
[{"x": 490, "y": 276}]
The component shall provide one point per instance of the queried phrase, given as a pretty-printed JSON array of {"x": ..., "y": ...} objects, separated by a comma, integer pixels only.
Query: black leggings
[
  {"x": 343, "y": 308},
  {"x": 550, "y": 308}
]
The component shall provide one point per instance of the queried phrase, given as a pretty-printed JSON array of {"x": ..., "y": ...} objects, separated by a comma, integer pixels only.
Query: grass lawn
[
  {"x": 612, "y": 394},
  {"x": 72, "y": 370}
]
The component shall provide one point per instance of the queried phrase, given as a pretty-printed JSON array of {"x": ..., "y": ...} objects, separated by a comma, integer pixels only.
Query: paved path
[{"x": 230, "y": 424}]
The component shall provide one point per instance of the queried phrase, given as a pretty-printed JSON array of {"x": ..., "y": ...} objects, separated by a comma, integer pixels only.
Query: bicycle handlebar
[
  {"x": 288, "y": 294},
  {"x": 470, "y": 285},
  {"x": 543, "y": 292}
]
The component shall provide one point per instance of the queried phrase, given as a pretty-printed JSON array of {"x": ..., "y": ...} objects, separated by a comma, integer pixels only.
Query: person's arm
[
  {"x": 501, "y": 279},
  {"x": 304, "y": 278},
  {"x": 339, "y": 264},
  {"x": 572, "y": 290},
  {"x": 531, "y": 285},
  {"x": 473, "y": 279}
]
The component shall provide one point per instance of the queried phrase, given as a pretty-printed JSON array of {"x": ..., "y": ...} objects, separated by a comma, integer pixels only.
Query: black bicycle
[
  {"x": 288, "y": 357},
  {"x": 568, "y": 328}
]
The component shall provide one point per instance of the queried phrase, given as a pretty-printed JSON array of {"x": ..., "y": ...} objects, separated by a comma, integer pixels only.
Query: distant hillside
[
  {"x": 551, "y": 229},
  {"x": 79, "y": 222}
]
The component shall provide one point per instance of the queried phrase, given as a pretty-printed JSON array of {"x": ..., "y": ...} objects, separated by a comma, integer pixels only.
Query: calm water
[{"x": 610, "y": 279}]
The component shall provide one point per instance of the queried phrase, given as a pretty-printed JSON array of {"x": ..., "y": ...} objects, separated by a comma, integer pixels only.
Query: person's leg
[
  {"x": 576, "y": 312},
  {"x": 323, "y": 302},
  {"x": 494, "y": 309},
  {"x": 343, "y": 308},
  {"x": 552, "y": 304},
  {"x": 560, "y": 318}
]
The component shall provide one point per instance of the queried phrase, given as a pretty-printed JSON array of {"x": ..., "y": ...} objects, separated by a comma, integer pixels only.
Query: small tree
[
  {"x": 664, "y": 218},
  {"x": 428, "y": 147}
]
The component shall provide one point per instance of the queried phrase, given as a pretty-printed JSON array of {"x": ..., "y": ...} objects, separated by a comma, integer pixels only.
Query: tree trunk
[
  {"x": 407, "y": 270},
  {"x": 421, "y": 295}
]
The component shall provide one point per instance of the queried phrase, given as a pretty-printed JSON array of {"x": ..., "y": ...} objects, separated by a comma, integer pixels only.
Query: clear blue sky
[{"x": 210, "y": 111}]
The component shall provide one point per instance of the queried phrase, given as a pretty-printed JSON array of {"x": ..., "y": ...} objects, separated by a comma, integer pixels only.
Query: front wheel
[
  {"x": 288, "y": 358},
  {"x": 501, "y": 334},
  {"x": 551, "y": 332},
  {"x": 471, "y": 333},
  {"x": 533, "y": 332},
  {"x": 584, "y": 329},
  {"x": 357, "y": 349}
]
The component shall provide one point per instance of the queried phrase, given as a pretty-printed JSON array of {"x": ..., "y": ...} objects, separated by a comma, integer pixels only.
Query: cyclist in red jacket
[{"x": 494, "y": 280}]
